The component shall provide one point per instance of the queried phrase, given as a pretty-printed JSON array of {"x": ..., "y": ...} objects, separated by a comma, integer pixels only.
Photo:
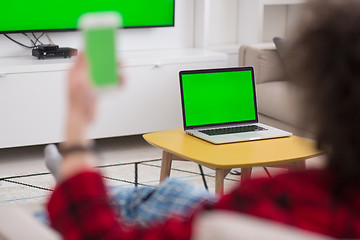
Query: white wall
[
  {"x": 179, "y": 36},
  {"x": 225, "y": 25},
  {"x": 220, "y": 24},
  {"x": 215, "y": 22}
]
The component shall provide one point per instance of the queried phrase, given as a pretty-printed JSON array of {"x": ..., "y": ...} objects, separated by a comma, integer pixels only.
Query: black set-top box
[{"x": 53, "y": 51}]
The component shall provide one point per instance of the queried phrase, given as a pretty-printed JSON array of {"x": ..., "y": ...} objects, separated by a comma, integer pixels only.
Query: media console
[
  {"x": 53, "y": 51},
  {"x": 33, "y": 95}
]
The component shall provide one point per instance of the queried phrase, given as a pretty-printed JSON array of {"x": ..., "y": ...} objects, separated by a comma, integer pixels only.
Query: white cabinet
[
  {"x": 31, "y": 108},
  {"x": 33, "y": 96}
]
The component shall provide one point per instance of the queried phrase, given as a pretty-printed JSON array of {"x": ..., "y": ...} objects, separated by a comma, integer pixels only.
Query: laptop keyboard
[{"x": 220, "y": 131}]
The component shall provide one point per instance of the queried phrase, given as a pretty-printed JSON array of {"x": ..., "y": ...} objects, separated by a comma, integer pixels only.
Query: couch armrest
[
  {"x": 227, "y": 225},
  {"x": 17, "y": 223},
  {"x": 265, "y": 60}
]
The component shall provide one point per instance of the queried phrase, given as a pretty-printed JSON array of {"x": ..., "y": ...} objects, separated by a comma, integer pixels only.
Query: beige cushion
[
  {"x": 279, "y": 100},
  {"x": 17, "y": 223},
  {"x": 234, "y": 226},
  {"x": 265, "y": 60}
]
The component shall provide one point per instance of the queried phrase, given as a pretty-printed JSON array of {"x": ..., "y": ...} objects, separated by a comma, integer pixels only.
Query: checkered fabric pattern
[{"x": 146, "y": 205}]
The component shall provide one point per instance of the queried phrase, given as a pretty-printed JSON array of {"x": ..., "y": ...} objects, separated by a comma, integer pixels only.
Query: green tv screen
[
  {"x": 29, "y": 16},
  {"x": 218, "y": 97}
]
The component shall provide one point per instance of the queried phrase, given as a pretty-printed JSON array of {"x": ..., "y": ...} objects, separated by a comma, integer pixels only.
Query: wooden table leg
[
  {"x": 245, "y": 173},
  {"x": 165, "y": 165},
  {"x": 220, "y": 175}
]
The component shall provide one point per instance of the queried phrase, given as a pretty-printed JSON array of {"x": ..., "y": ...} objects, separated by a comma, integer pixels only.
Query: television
[{"x": 19, "y": 16}]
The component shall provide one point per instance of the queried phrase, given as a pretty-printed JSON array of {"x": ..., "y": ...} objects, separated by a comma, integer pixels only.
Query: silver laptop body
[{"x": 219, "y": 106}]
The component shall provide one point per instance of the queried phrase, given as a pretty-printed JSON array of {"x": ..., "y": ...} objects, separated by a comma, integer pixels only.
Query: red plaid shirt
[{"x": 79, "y": 208}]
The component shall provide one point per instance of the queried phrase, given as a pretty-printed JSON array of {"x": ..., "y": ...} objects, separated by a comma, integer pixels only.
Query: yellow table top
[{"x": 233, "y": 155}]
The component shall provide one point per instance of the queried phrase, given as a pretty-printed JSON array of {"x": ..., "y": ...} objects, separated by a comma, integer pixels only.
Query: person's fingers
[
  {"x": 81, "y": 95},
  {"x": 80, "y": 61},
  {"x": 78, "y": 75},
  {"x": 121, "y": 75},
  {"x": 92, "y": 108}
]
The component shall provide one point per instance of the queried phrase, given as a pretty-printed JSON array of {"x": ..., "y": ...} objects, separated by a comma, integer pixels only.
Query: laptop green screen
[{"x": 218, "y": 97}]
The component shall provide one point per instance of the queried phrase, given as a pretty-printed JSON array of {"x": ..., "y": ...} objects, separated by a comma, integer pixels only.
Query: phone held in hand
[{"x": 100, "y": 32}]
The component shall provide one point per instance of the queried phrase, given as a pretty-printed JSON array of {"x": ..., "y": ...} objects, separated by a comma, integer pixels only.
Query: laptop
[{"x": 219, "y": 106}]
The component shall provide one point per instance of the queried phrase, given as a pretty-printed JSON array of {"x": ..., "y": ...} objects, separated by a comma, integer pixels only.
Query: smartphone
[{"x": 100, "y": 33}]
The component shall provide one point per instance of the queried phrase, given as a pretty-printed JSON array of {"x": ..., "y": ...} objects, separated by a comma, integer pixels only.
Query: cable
[
  {"x": 29, "y": 39},
  {"x": 18, "y": 42},
  {"x": 37, "y": 39},
  {"x": 48, "y": 37},
  {"x": 34, "y": 43}
]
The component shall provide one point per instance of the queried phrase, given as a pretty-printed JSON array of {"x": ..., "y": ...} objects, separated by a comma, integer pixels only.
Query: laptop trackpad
[{"x": 247, "y": 136}]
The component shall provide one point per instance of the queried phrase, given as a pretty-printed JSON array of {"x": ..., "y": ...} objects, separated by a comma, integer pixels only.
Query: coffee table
[{"x": 290, "y": 152}]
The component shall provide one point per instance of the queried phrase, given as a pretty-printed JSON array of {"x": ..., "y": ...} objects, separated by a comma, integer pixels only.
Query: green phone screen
[{"x": 101, "y": 55}]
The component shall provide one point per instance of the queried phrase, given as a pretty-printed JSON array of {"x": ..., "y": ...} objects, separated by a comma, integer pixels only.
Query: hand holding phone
[{"x": 100, "y": 31}]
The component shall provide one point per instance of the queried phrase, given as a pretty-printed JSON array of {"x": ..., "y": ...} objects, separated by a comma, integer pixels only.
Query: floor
[{"x": 24, "y": 179}]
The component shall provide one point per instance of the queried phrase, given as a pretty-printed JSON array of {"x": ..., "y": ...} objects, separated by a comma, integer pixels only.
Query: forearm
[
  {"x": 75, "y": 128},
  {"x": 75, "y": 136}
]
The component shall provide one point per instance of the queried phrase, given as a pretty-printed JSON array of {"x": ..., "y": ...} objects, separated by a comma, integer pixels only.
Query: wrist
[
  {"x": 69, "y": 148},
  {"x": 77, "y": 157}
]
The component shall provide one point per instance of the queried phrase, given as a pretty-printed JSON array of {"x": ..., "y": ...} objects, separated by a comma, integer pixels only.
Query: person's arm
[
  {"x": 79, "y": 207},
  {"x": 80, "y": 113}
]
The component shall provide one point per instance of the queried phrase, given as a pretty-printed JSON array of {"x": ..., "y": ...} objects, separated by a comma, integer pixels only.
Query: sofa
[
  {"x": 208, "y": 226},
  {"x": 278, "y": 100}
]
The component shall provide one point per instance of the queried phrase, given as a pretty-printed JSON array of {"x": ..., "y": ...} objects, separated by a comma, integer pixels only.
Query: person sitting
[{"x": 326, "y": 60}]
